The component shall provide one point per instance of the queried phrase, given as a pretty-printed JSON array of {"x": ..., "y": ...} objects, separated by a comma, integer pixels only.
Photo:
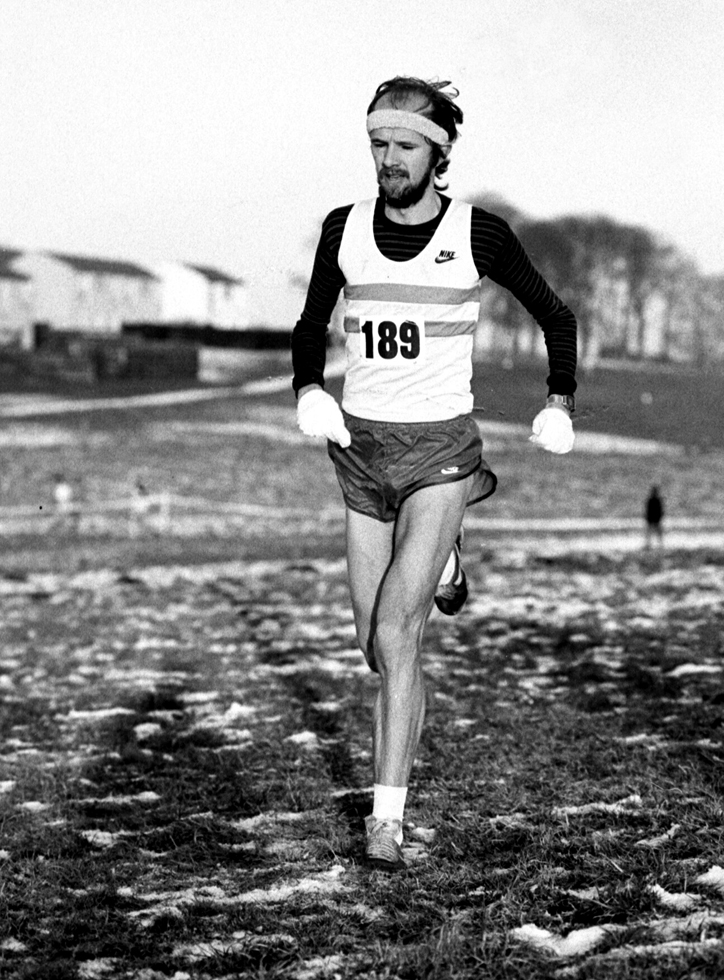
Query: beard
[{"x": 399, "y": 192}]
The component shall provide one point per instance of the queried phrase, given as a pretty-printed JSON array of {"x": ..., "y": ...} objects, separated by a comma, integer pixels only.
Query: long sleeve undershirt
[{"x": 497, "y": 253}]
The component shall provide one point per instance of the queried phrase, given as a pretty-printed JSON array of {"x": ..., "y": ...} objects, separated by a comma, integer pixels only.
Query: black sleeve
[
  {"x": 309, "y": 337},
  {"x": 506, "y": 263}
]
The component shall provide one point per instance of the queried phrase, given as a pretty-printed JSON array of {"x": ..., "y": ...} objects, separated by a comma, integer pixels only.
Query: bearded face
[{"x": 401, "y": 188}]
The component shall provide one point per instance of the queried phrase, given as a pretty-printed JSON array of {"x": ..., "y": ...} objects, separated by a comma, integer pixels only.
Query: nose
[{"x": 391, "y": 157}]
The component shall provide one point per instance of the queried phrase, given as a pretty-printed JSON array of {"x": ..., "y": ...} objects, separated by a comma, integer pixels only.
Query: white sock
[
  {"x": 448, "y": 576},
  {"x": 389, "y": 803}
]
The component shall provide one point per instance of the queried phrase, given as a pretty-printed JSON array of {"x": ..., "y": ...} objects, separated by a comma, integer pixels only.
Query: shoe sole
[{"x": 380, "y": 864}]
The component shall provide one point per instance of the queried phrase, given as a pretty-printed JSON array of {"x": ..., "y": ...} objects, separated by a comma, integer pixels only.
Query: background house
[
  {"x": 72, "y": 292},
  {"x": 16, "y": 313},
  {"x": 201, "y": 295}
]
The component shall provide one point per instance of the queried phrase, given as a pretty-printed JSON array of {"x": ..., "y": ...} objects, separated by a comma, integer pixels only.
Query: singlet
[{"x": 409, "y": 325}]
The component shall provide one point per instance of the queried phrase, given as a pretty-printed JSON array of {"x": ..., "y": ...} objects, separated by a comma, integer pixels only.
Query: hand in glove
[
  {"x": 553, "y": 430},
  {"x": 318, "y": 414}
]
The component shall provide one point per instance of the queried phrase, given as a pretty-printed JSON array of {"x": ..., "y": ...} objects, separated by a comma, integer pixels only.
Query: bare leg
[{"x": 393, "y": 578}]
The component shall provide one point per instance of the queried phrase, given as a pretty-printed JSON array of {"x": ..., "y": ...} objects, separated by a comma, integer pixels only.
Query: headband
[{"x": 398, "y": 119}]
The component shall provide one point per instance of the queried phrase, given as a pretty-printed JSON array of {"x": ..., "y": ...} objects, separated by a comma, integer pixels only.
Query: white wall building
[
  {"x": 16, "y": 311},
  {"x": 72, "y": 292},
  {"x": 201, "y": 295}
]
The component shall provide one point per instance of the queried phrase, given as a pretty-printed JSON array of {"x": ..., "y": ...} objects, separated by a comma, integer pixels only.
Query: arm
[
  {"x": 510, "y": 267},
  {"x": 309, "y": 337},
  {"x": 506, "y": 262},
  {"x": 318, "y": 414}
]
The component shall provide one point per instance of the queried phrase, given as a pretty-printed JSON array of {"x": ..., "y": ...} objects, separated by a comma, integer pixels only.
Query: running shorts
[{"x": 387, "y": 461}]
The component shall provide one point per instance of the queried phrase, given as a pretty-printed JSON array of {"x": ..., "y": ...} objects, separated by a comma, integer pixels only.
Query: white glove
[
  {"x": 553, "y": 430},
  {"x": 318, "y": 414}
]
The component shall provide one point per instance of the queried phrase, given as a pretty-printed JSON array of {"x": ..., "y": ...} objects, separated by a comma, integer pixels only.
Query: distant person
[
  {"x": 140, "y": 508},
  {"x": 654, "y": 514},
  {"x": 405, "y": 445},
  {"x": 65, "y": 509}
]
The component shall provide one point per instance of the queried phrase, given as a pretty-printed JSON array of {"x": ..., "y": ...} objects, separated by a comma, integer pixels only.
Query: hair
[{"x": 438, "y": 106}]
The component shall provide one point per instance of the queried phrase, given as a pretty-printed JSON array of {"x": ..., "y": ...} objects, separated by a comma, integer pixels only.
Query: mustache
[{"x": 394, "y": 172}]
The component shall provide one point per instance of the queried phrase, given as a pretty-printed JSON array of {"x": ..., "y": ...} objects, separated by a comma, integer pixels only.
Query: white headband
[{"x": 398, "y": 119}]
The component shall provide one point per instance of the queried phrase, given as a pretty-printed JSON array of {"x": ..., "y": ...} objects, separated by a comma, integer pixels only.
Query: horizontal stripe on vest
[
  {"x": 433, "y": 328},
  {"x": 391, "y": 292}
]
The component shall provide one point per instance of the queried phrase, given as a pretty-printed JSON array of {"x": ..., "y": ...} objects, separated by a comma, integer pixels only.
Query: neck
[{"x": 427, "y": 208}]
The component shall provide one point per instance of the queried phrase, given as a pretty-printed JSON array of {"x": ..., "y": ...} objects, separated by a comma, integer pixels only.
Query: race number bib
[{"x": 385, "y": 341}]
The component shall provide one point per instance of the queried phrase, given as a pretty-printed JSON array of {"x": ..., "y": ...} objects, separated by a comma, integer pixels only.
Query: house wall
[
  {"x": 92, "y": 301},
  {"x": 16, "y": 313},
  {"x": 228, "y": 305},
  {"x": 182, "y": 294}
]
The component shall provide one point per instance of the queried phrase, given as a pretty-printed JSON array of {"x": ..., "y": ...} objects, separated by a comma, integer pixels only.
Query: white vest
[{"x": 410, "y": 324}]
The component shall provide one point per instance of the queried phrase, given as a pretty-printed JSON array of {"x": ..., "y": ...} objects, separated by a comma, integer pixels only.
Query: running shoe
[
  {"x": 450, "y": 598},
  {"x": 383, "y": 851}
]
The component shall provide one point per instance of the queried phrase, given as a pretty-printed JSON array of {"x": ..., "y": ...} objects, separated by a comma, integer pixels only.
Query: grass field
[{"x": 185, "y": 756}]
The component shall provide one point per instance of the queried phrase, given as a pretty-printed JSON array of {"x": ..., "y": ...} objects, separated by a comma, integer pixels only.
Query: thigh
[
  {"x": 370, "y": 545},
  {"x": 394, "y": 569}
]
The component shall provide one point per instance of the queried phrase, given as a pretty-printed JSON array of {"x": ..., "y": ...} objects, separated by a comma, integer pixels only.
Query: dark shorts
[{"x": 388, "y": 461}]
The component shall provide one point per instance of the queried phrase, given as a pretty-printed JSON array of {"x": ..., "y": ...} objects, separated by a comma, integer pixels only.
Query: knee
[{"x": 396, "y": 643}]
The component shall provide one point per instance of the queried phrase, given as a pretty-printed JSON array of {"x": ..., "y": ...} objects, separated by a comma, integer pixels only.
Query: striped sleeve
[
  {"x": 309, "y": 337},
  {"x": 499, "y": 255}
]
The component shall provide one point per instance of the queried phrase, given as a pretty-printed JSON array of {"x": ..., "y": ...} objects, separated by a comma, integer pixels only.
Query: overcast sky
[{"x": 222, "y": 131}]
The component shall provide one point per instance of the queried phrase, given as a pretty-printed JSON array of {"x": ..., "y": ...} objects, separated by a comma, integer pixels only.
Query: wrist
[
  {"x": 307, "y": 388},
  {"x": 566, "y": 403}
]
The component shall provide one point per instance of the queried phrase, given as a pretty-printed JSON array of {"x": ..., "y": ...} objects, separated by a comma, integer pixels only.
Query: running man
[{"x": 407, "y": 451}]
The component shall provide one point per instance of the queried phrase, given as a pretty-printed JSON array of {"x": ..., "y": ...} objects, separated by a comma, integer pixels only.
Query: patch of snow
[
  {"x": 622, "y": 806},
  {"x": 654, "y": 842},
  {"x": 320, "y": 966},
  {"x": 33, "y": 806},
  {"x": 685, "y": 670},
  {"x": 6, "y": 785},
  {"x": 713, "y": 878},
  {"x": 199, "y": 697},
  {"x": 236, "y": 711},
  {"x": 97, "y": 714},
  {"x": 307, "y": 739},
  {"x": 147, "y": 730},
  {"x": 99, "y": 838},
  {"x": 576, "y": 943},
  {"x": 89, "y": 969},
  {"x": 674, "y": 900},
  {"x": 13, "y": 945}
]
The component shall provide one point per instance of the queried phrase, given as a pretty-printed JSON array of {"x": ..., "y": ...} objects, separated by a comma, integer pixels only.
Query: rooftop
[
  {"x": 215, "y": 275},
  {"x": 111, "y": 267}
]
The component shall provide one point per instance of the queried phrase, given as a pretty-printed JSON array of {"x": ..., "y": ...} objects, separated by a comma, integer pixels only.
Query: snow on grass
[
  {"x": 91, "y": 969},
  {"x": 172, "y": 903},
  {"x": 686, "y": 670},
  {"x": 662, "y": 839},
  {"x": 306, "y": 740},
  {"x": 147, "y": 730},
  {"x": 248, "y": 824},
  {"x": 626, "y": 805},
  {"x": 94, "y": 714},
  {"x": 675, "y": 900},
  {"x": 713, "y": 878},
  {"x": 320, "y": 967},
  {"x": 576, "y": 943},
  {"x": 147, "y": 796}
]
